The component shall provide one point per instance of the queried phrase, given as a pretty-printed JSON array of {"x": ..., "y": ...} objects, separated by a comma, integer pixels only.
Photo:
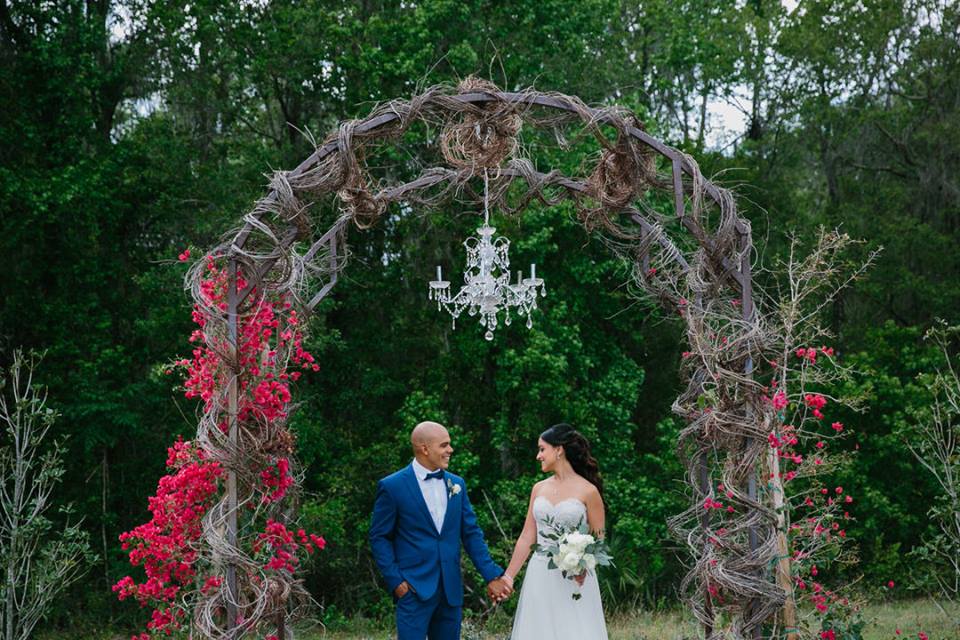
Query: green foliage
[
  {"x": 888, "y": 487},
  {"x": 933, "y": 441},
  {"x": 847, "y": 627}
]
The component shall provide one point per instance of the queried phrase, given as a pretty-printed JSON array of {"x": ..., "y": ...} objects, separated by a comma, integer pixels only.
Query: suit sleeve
[
  {"x": 382, "y": 530},
  {"x": 472, "y": 537}
]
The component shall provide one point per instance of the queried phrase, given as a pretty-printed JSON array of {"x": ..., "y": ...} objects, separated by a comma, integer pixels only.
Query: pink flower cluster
[
  {"x": 283, "y": 545},
  {"x": 816, "y": 402},
  {"x": 820, "y": 522},
  {"x": 821, "y": 598},
  {"x": 273, "y": 326},
  {"x": 779, "y": 400},
  {"x": 271, "y": 329},
  {"x": 276, "y": 480},
  {"x": 165, "y": 544},
  {"x": 810, "y": 354}
]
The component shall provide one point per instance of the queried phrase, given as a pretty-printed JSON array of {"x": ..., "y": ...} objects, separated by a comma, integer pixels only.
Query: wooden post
[
  {"x": 282, "y": 624},
  {"x": 704, "y": 462},
  {"x": 704, "y": 523},
  {"x": 784, "y": 578},
  {"x": 232, "y": 402},
  {"x": 746, "y": 304}
]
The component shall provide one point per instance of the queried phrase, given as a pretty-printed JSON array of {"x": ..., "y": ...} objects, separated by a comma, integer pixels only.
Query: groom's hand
[
  {"x": 499, "y": 590},
  {"x": 402, "y": 589}
]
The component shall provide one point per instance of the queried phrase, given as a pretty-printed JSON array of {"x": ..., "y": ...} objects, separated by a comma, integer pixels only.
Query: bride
[{"x": 547, "y": 610}]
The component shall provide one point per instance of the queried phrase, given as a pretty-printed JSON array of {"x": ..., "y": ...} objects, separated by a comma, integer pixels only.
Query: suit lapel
[
  {"x": 417, "y": 496},
  {"x": 452, "y": 503}
]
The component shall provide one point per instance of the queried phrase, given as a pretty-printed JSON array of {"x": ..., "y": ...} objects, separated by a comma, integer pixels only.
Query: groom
[{"x": 420, "y": 518}]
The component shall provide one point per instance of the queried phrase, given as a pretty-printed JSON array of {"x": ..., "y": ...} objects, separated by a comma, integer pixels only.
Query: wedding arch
[{"x": 693, "y": 256}]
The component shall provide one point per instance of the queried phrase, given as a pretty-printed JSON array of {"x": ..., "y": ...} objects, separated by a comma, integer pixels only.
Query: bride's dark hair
[{"x": 578, "y": 451}]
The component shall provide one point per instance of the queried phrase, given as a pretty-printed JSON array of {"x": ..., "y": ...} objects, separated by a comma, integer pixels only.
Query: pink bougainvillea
[
  {"x": 283, "y": 546},
  {"x": 170, "y": 546},
  {"x": 276, "y": 480},
  {"x": 166, "y": 546}
]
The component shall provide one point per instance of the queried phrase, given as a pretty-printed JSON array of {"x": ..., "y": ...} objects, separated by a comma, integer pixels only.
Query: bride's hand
[{"x": 580, "y": 578}]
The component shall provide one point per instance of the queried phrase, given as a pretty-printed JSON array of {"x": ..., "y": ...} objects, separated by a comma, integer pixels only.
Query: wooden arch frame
[{"x": 722, "y": 261}]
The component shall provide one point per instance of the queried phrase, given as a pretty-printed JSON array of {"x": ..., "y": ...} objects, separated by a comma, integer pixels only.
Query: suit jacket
[{"x": 407, "y": 546}]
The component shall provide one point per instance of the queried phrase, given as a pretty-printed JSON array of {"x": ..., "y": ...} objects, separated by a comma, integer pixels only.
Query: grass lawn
[{"x": 883, "y": 619}]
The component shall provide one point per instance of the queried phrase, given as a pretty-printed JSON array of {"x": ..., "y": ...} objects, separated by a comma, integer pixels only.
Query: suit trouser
[{"x": 432, "y": 618}]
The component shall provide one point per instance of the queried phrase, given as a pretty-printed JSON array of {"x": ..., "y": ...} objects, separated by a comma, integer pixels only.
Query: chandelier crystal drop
[{"x": 487, "y": 288}]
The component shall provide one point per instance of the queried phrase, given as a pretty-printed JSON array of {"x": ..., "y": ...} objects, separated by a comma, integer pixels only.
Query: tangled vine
[{"x": 253, "y": 292}]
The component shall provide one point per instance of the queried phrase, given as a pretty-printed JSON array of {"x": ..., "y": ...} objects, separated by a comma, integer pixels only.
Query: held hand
[
  {"x": 499, "y": 590},
  {"x": 506, "y": 590},
  {"x": 580, "y": 578},
  {"x": 507, "y": 582},
  {"x": 402, "y": 589}
]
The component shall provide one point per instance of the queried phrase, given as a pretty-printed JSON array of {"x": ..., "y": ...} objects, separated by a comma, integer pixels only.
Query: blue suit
[{"x": 407, "y": 546}]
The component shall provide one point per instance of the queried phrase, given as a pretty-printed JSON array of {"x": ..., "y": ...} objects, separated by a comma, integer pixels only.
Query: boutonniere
[{"x": 452, "y": 488}]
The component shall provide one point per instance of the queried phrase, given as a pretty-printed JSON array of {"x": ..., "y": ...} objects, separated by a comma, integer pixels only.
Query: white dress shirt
[{"x": 434, "y": 493}]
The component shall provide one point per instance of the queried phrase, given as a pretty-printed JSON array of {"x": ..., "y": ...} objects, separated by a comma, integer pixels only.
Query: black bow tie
[{"x": 438, "y": 475}]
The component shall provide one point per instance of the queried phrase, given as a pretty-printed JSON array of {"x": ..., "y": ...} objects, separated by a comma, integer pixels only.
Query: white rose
[
  {"x": 579, "y": 540},
  {"x": 570, "y": 562},
  {"x": 590, "y": 561}
]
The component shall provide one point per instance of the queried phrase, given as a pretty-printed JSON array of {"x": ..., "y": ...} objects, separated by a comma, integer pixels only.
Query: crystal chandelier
[{"x": 487, "y": 288}]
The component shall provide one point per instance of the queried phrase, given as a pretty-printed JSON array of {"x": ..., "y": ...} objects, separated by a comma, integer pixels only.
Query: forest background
[{"x": 132, "y": 130}]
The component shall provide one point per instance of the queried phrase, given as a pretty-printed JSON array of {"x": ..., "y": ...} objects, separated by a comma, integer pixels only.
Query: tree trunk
[
  {"x": 104, "y": 478},
  {"x": 704, "y": 96},
  {"x": 784, "y": 578}
]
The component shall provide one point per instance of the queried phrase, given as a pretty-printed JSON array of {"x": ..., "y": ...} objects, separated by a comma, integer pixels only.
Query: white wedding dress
[{"x": 547, "y": 610}]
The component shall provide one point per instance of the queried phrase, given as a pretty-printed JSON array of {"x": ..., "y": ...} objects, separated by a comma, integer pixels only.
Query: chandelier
[{"x": 487, "y": 288}]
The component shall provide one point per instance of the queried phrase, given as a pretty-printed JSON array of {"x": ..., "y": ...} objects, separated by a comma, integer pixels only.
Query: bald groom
[{"x": 421, "y": 517}]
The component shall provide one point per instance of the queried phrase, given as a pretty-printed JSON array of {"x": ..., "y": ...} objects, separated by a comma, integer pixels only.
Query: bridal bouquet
[{"x": 572, "y": 550}]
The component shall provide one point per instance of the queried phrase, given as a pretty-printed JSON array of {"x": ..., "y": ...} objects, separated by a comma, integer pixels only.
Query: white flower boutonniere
[{"x": 452, "y": 488}]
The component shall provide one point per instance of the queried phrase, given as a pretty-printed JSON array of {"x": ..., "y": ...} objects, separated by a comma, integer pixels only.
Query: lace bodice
[{"x": 566, "y": 513}]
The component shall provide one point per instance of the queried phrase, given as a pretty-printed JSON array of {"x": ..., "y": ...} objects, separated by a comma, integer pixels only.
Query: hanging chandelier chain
[{"x": 486, "y": 198}]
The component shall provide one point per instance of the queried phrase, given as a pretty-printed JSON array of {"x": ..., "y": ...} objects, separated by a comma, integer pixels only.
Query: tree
[
  {"x": 934, "y": 440},
  {"x": 39, "y": 560}
]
